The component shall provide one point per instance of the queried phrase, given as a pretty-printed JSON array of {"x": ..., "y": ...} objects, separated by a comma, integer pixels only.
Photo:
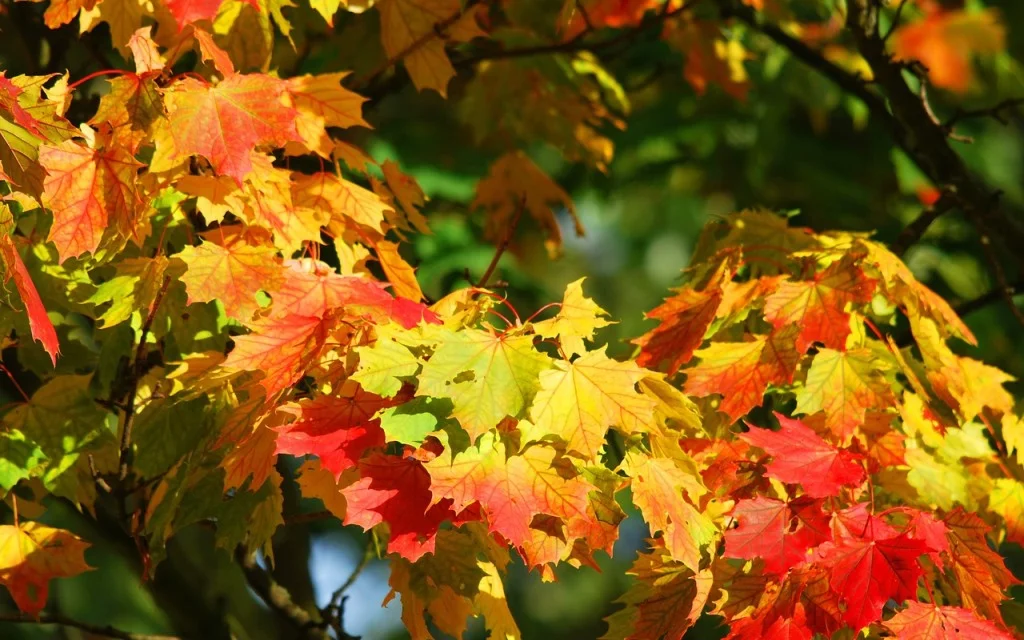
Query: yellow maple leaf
[{"x": 31, "y": 555}]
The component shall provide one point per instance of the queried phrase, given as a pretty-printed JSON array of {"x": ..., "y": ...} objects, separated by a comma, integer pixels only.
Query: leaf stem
[{"x": 503, "y": 245}]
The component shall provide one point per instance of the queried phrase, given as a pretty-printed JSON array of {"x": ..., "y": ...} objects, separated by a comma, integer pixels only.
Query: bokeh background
[{"x": 795, "y": 144}]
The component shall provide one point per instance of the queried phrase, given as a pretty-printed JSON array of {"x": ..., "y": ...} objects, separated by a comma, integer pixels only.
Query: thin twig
[
  {"x": 895, "y": 20},
  {"x": 985, "y": 299},
  {"x": 126, "y": 455},
  {"x": 1003, "y": 286},
  {"x": 503, "y": 245},
  {"x": 363, "y": 561},
  {"x": 578, "y": 42},
  {"x": 278, "y": 599},
  {"x": 995, "y": 111},
  {"x": 334, "y": 612},
  {"x": 64, "y": 621},
  {"x": 916, "y": 229}
]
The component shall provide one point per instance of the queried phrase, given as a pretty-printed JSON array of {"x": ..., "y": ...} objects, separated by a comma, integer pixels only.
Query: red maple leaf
[
  {"x": 397, "y": 491},
  {"x": 336, "y": 429},
  {"x": 38, "y": 322},
  {"x": 188, "y": 11},
  {"x": 867, "y": 572},
  {"x": 778, "y": 532},
  {"x": 801, "y": 456}
]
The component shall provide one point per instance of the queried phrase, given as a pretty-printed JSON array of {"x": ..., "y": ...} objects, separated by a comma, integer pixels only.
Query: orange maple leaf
[
  {"x": 224, "y": 123},
  {"x": 232, "y": 274},
  {"x": 945, "y": 41},
  {"x": 87, "y": 190},
  {"x": 281, "y": 347},
  {"x": 742, "y": 371}
]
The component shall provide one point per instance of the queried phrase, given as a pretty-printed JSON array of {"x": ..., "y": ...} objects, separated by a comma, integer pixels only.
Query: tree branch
[
  {"x": 906, "y": 115},
  {"x": 995, "y": 111},
  {"x": 126, "y": 455},
  {"x": 924, "y": 140},
  {"x": 278, "y": 598},
  {"x": 97, "y": 630},
  {"x": 916, "y": 229},
  {"x": 984, "y": 300}
]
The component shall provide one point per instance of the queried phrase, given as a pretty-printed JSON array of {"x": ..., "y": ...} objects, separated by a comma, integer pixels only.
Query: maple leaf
[
  {"x": 981, "y": 573},
  {"x": 336, "y": 429},
  {"x": 232, "y": 274},
  {"x": 945, "y": 41},
  {"x": 685, "y": 318},
  {"x": 579, "y": 401},
  {"x": 709, "y": 58},
  {"x": 130, "y": 110},
  {"x": 38, "y": 322},
  {"x": 512, "y": 491},
  {"x": 346, "y": 201},
  {"x": 397, "y": 491},
  {"x": 322, "y": 102},
  {"x": 383, "y": 364},
  {"x": 224, "y": 123},
  {"x": 409, "y": 31},
  {"x": 313, "y": 288},
  {"x": 516, "y": 184},
  {"x": 31, "y": 555},
  {"x": 486, "y": 375},
  {"x": 800, "y": 456},
  {"x": 779, "y": 532},
  {"x": 282, "y": 348},
  {"x": 400, "y": 273},
  {"x": 818, "y": 306},
  {"x": 922, "y": 621},
  {"x": 742, "y": 371},
  {"x": 658, "y": 485},
  {"x": 9, "y": 93},
  {"x": 844, "y": 385},
  {"x": 867, "y": 572},
  {"x": 87, "y": 190},
  {"x": 577, "y": 319},
  {"x": 188, "y": 11},
  {"x": 664, "y": 601}
]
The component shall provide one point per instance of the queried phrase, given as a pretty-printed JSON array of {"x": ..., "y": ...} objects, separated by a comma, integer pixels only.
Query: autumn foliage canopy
[{"x": 206, "y": 275}]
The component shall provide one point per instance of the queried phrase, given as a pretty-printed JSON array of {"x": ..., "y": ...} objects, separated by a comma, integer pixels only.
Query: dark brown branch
[
  {"x": 995, "y": 112},
  {"x": 917, "y": 133},
  {"x": 97, "y": 630},
  {"x": 916, "y": 229},
  {"x": 993, "y": 296},
  {"x": 852, "y": 84},
  {"x": 334, "y": 612},
  {"x": 1003, "y": 286},
  {"x": 308, "y": 625},
  {"x": 503, "y": 245},
  {"x": 580, "y": 42}
]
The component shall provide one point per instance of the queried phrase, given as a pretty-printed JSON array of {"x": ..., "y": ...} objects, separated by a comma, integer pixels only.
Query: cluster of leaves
[{"x": 194, "y": 308}]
